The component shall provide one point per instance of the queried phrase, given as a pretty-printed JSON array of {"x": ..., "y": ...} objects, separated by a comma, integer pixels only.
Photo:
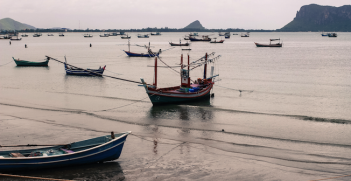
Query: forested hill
[{"x": 314, "y": 17}]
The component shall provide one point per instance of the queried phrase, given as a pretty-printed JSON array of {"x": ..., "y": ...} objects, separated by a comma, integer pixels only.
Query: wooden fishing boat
[
  {"x": 179, "y": 44},
  {"x": 332, "y": 35},
  {"x": 99, "y": 149},
  {"x": 125, "y": 37},
  {"x": 143, "y": 36},
  {"x": 36, "y": 35},
  {"x": 148, "y": 54},
  {"x": 28, "y": 63},
  {"x": 215, "y": 41},
  {"x": 157, "y": 33},
  {"x": 83, "y": 72},
  {"x": 15, "y": 39},
  {"x": 220, "y": 34},
  {"x": 88, "y": 36},
  {"x": 245, "y": 34},
  {"x": 204, "y": 38},
  {"x": 270, "y": 44},
  {"x": 186, "y": 92},
  {"x": 25, "y": 35},
  {"x": 50, "y": 34},
  {"x": 61, "y": 34}
]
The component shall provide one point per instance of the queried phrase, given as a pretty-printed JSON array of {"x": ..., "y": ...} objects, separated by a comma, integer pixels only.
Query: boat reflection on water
[{"x": 186, "y": 111}]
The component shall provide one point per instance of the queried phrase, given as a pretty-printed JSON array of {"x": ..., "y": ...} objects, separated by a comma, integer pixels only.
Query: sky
[{"x": 137, "y": 14}]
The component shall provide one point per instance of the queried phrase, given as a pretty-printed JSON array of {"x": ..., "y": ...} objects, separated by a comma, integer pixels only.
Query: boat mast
[
  {"x": 188, "y": 71},
  {"x": 128, "y": 44},
  {"x": 205, "y": 67},
  {"x": 155, "y": 81}
]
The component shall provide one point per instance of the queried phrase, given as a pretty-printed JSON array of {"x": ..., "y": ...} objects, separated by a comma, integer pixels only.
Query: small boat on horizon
[
  {"x": 50, "y": 34},
  {"x": 332, "y": 35},
  {"x": 88, "y": 36},
  {"x": 204, "y": 38},
  {"x": 247, "y": 34},
  {"x": 143, "y": 36},
  {"x": 99, "y": 149},
  {"x": 15, "y": 39},
  {"x": 24, "y": 35},
  {"x": 157, "y": 33},
  {"x": 215, "y": 41},
  {"x": 29, "y": 63},
  {"x": 125, "y": 36},
  {"x": 61, "y": 34},
  {"x": 179, "y": 44},
  {"x": 105, "y": 35},
  {"x": 270, "y": 44}
]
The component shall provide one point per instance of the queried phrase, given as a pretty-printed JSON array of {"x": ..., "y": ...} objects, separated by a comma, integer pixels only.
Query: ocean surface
[{"x": 277, "y": 113}]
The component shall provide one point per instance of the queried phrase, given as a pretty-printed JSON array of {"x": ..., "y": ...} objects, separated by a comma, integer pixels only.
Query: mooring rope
[
  {"x": 29, "y": 177},
  {"x": 6, "y": 63},
  {"x": 331, "y": 178}
]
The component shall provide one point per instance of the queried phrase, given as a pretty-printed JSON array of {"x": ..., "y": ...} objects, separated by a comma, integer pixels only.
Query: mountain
[
  {"x": 195, "y": 25},
  {"x": 10, "y": 24},
  {"x": 314, "y": 17}
]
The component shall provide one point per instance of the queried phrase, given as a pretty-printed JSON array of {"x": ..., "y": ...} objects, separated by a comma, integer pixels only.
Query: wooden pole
[
  {"x": 188, "y": 71},
  {"x": 155, "y": 83},
  {"x": 205, "y": 67}
]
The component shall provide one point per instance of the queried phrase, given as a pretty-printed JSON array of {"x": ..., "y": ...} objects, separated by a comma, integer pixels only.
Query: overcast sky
[{"x": 126, "y": 14}]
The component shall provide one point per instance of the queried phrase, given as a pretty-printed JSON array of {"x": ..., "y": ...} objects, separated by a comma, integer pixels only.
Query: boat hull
[
  {"x": 174, "y": 44},
  {"x": 140, "y": 54},
  {"x": 79, "y": 72},
  {"x": 195, "y": 39},
  {"x": 269, "y": 45},
  {"x": 159, "y": 98},
  {"x": 110, "y": 150},
  {"x": 28, "y": 63}
]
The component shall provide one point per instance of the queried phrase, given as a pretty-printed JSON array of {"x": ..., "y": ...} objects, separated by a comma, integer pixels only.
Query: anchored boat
[
  {"x": 186, "y": 91},
  {"x": 29, "y": 63},
  {"x": 204, "y": 38},
  {"x": 99, "y": 149},
  {"x": 83, "y": 72},
  {"x": 179, "y": 44},
  {"x": 148, "y": 54},
  {"x": 270, "y": 44}
]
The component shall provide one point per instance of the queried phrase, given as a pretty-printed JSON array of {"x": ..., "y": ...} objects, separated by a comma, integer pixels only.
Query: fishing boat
[
  {"x": 99, "y": 149},
  {"x": 194, "y": 34},
  {"x": 5, "y": 37},
  {"x": 15, "y": 39},
  {"x": 186, "y": 91},
  {"x": 324, "y": 34},
  {"x": 204, "y": 38},
  {"x": 332, "y": 35},
  {"x": 215, "y": 41},
  {"x": 105, "y": 35},
  {"x": 247, "y": 34},
  {"x": 220, "y": 34},
  {"x": 36, "y": 35},
  {"x": 25, "y": 35},
  {"x": 61, "y": 34},
  {"x": 88, "y": 36},
  {"x": 29, "y": 63},
  {"x": 125, "y": 36},
  {"x": 186, "y": 38},
  {"x": 50, "y": 34},
  {"x": 143, "y": 36},
  {"x": 235, "y": 33},
  {"x": 157, "y": 33},
  {"x": 179, "y": 44},
  {"x": 227, "y": 36},
  {"x": 148, "y": 54},
  {"x": 70, "y": 70},
  {"x": 270, "y": 44}
]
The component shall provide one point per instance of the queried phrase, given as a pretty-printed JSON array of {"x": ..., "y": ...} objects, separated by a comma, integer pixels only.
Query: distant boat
[
  {"x": 83, "y": 72},
  {"x": 332, "y": 35},
  {"x": 220, "y": 34},
  {"x": 324, "y": 34},
  {"x": 125, "y": 36},
  {"x": 186, "y": 91},
  {"x": 215, "y": 41},
  {"x": 105, "y": 35},
  {"x": 157, "y": 33},
  {"x": 148, "y": 54},
  {"x": 179, "y": 44},
  {"x": 245, "y": 34},
  {"x": 99, "y": 149},
  {"x": 143, "y": 36},
  {"x": 61, "y": 34},
  {"x": 25, "y": 35},
  {"x": 88, "y": 36},
  {"x": 50, "y": 35},
  {"x": 186, "y": 38},
  {"x": 37, "y": 35},
  {"x": 28, "y": 63},
  {"x": 235, "y": 33},
  {"x": 270, "y": 44},
  {"x": 15, "y": 39},
  {"x": 204, "y": 38},
  {"x": 194, "y": 34}
]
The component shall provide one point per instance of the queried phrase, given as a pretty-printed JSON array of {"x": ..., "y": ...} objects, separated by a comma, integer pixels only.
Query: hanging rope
[
  {"x": 6, "y": 63},
  {"x": 97, "y": 74}
]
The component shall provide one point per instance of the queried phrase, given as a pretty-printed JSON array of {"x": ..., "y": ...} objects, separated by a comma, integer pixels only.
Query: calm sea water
[{"x": 283, "y": 108}]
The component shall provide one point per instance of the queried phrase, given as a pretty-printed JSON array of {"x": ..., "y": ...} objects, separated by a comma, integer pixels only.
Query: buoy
[
  {"x": 90, "y": 44},
  {"x": 25, "y": 45},
  {"x": 212, "y": 95},
  {"x": 223, "y": 130}
]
